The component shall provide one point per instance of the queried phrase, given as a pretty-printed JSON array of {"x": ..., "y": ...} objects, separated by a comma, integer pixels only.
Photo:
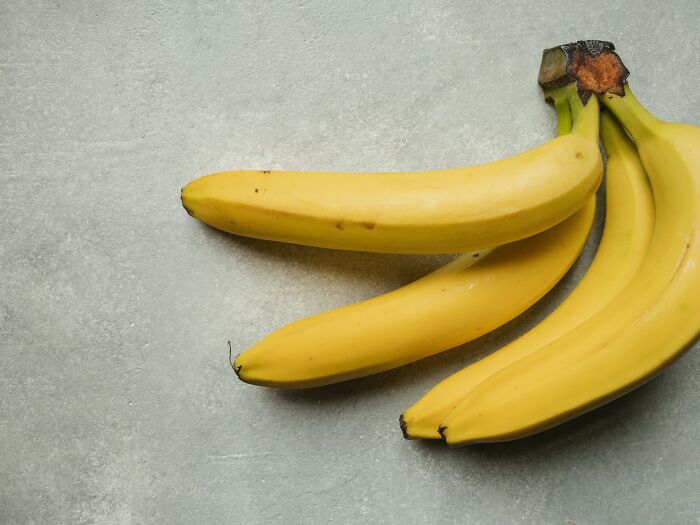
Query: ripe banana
[
  {"x": 443, "y": 211},
  {"x": 642, "y": 330},
  {"x": 455, "y": 304},
  {"x": 628, "y": 227}
]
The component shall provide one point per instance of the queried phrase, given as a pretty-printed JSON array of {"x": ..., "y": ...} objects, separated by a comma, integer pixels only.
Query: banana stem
[
  {"x": 613, "y": 135},
  {"x": 561, "y": 105},
  {"x": 563, "y": 117},
  {"x": 586, "y": 117},
  {"x": 630, "y": 112}
]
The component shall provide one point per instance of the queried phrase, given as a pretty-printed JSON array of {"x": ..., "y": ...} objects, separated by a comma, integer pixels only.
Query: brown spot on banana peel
[
  {"x": 339, "y": 225},
  {"x": 441, "y": 430},
  {"x": 592, "y": 64},
  {"x": 368, "y": 225}
]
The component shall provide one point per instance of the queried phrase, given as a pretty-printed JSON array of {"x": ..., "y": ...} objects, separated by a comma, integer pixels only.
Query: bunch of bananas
[{"x": 523, "y": 221}]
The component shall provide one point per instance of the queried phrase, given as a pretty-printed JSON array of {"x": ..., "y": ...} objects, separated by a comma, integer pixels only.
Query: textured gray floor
[{"x": 117, "y": 403}]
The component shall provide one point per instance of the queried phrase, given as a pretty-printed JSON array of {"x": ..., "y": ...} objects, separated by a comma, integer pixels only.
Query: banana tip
[
  {"x": 182, "y": 200},
  {"x": 232, "y": 362},
  {"x": 402, "y": 424}
]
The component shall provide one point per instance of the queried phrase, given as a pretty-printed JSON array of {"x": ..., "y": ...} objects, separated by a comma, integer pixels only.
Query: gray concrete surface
[{"x": 117, "y": 403}]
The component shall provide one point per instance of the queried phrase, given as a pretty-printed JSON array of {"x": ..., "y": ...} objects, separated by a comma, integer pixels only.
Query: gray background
[{"x": 117, "y": 402}]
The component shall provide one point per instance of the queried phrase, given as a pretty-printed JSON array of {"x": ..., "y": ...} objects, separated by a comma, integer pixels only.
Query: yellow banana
[
  {"x": 628, "y": 226},
  {"x": 449, "y": 307},
  {"x": 443, "y": 211},
  {"x": 646, "y": 327}
]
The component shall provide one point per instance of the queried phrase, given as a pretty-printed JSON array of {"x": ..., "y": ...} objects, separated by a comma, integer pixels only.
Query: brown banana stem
[{"x": 592, "y": 64}]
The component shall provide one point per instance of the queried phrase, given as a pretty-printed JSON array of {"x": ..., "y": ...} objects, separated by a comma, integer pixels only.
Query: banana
[
  {"x": 457, "y": 303},
  {"x": 628, "y": 227},
  {"x": 653, "y": 320},
  {"x": 443, "y": 211}
]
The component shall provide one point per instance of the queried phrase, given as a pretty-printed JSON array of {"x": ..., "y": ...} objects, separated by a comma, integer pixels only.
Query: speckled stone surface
[{"x": 117, "y": 402}]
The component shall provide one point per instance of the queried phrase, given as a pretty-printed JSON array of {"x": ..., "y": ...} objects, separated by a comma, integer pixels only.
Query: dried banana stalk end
[{"x": 592, "y": 64}]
